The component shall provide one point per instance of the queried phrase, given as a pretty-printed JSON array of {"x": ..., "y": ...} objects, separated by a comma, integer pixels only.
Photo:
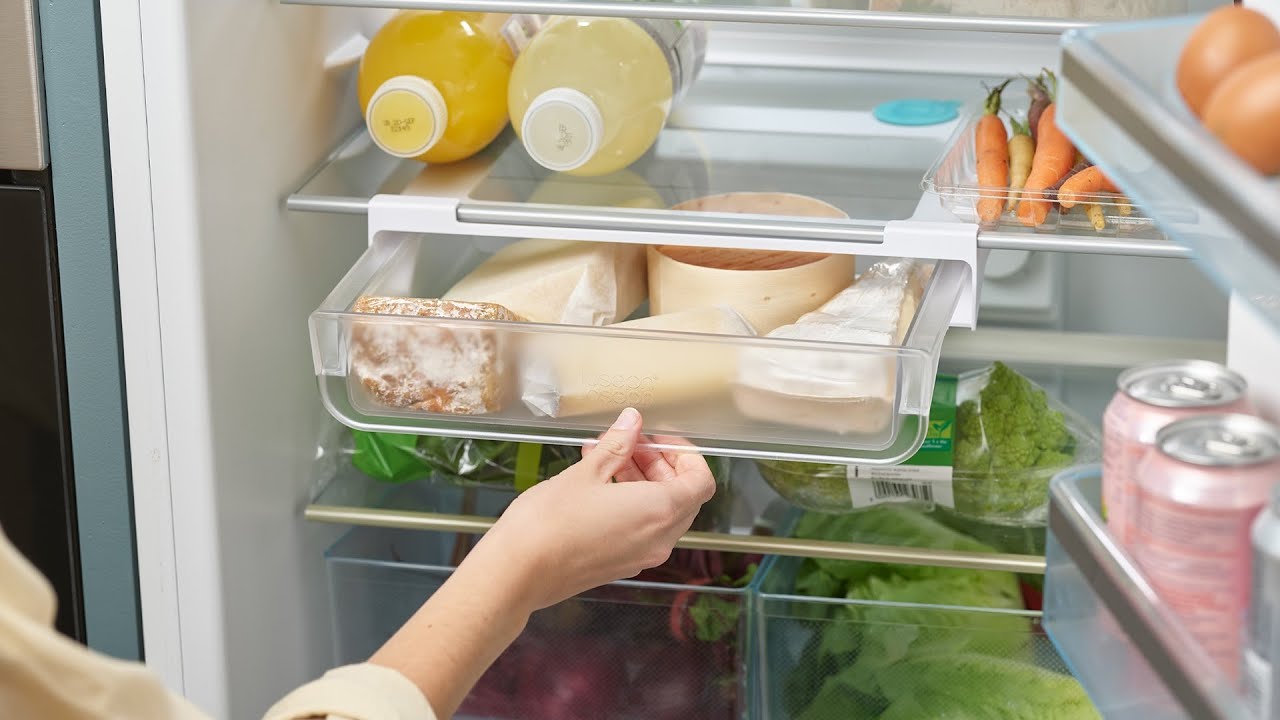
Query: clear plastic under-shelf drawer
[{"x": 709, "y": 352}]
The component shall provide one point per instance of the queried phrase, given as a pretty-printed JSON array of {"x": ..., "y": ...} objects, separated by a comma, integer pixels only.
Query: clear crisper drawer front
[
  {"x": 546, "y": 341},
  {"x": 834, "y": 658},
  {"x": 629, "y": 650}
]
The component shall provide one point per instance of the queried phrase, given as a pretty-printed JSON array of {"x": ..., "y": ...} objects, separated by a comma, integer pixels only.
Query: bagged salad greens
[{"x": 916, "y": 641}]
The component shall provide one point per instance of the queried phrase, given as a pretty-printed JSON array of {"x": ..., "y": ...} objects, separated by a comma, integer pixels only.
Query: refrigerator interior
[{"x": 217, "y": 112}]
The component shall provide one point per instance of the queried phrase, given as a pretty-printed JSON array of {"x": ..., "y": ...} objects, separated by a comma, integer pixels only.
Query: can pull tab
[
  {"x": 1192, "y": 388},
  {"x": 1229, "y": 444}
]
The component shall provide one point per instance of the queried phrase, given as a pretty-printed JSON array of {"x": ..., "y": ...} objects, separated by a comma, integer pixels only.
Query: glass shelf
[
  {"x": 740, "y": 129},
  {"x": 1124, "y": 645},
  {"x": 1118, "y": 103},
  {"x": 1027, "y": 16},
  {"x": 349, "y": 497}
]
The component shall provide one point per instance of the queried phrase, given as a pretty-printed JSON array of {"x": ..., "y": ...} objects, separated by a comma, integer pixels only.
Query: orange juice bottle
[{"x": 433, "y": 85}]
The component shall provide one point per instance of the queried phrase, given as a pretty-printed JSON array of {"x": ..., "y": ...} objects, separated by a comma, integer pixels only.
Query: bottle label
[
  {"x": 518, "y": 31},
  {"x": 684, "y": 43}
]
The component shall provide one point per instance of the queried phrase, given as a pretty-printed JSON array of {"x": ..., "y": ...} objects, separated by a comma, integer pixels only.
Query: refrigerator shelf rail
[
  {"x": 1136, "y": 660},
  {"x": 1119, "y": 103},
  {"x": 762, "y": 11},
  {"x": 725, "y": 542}
]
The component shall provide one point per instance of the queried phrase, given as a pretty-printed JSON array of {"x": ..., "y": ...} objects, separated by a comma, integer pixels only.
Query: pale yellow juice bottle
[
  {"x": 589, "y": 96},
  {"x": 433, "y": 85}
]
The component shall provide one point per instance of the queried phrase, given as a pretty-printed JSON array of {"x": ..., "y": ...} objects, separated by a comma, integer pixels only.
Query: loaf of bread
[
  {"x": 571, "y": 375},
  {"x": 560, "y": 281},
  {"x": 418, "y": 366},
  {"x": 839, "y": 390}
]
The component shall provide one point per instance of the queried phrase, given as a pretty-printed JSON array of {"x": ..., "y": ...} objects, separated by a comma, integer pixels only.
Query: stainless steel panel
[{"x": 22, "y": 138}]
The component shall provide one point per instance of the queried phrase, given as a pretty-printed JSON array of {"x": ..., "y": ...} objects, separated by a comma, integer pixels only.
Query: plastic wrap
[
  {"x": 580, "y": 374},
  {"x": 849, "y": 392},
  {"x": 397, "y": 458},
  {"x": 560, "y": 281}
]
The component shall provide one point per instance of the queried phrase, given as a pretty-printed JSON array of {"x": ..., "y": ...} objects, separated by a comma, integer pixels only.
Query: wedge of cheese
[
  {"x": 570, "y": 375},
  {"x": 838, "y": 389},
  {"x": 560, "y": 281}
]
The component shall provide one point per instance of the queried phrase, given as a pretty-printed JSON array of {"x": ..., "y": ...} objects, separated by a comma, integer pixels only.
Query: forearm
[{"x": 464, "y": 626}]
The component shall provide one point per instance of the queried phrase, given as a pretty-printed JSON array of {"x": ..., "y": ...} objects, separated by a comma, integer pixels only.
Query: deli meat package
[
  {"x": 419, "y": 366},
  {"x": 845, "y": 391},
  {"x": 572, "y": 375},
  {"x": 560, "y": 281}
]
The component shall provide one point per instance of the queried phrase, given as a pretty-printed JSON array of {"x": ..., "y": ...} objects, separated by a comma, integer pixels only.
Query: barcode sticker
[{"x": 916, "y": 484}]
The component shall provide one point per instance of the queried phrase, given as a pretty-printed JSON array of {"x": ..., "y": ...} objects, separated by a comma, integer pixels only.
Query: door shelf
[
  {"x": 1123, "y": 643},
  {"x": 350, "y": 497},
  {"x": 1118, "y": 102}
]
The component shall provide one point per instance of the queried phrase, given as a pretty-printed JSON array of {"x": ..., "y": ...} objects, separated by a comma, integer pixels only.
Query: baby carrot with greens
[
  {"x": 991, "y": 145},
  {"x": 1021, "y": 148}
]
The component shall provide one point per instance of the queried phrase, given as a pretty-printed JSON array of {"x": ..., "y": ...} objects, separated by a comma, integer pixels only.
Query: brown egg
[
  {"x": 1226, "y": 39},
  {"x": 1244, "y": 112}
]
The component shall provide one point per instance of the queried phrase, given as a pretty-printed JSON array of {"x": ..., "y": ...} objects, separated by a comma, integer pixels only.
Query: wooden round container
[{"x": 769, "y": 288}]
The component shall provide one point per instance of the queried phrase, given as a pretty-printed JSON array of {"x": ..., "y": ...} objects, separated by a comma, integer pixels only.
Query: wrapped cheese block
[
  {"x": 560, "y": 281},
  {"x": 415, "y": 366},
  {"x": 841, "y": 391},
  {"x": 769, "y": 288},
  {"x": 600, "y": 373}
]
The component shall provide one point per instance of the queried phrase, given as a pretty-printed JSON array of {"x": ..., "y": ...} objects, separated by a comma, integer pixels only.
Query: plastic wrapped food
[
  {"x": 850, "y": 392},
  {"x": 1011, "y": 439},
  {"x": 398, "y": 458}
]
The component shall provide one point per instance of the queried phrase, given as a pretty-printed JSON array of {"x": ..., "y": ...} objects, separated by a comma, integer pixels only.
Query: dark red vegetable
[
  {"x": 1041, "y": 89},
  {"x": 573, "y": 678}
]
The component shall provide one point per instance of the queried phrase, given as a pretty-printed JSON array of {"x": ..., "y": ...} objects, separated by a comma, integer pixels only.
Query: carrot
[
  {"x": 1053, "y": 159},
  {"x": 991, "y": 145},
  {"x": 1126, "y": 207},
  {"x": 1021, "y": 148},
  {"x": 1096, "y": 216},
  {"x": 1042, "y": 90},
  {"x": 1085, "y": 182}
]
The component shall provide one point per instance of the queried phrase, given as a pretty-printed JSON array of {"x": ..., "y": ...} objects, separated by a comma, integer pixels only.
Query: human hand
[{"x": 578, "y": 530}]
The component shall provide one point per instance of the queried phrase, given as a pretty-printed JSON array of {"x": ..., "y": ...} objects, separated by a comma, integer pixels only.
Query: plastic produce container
[
  {"x": 626, "y": 650},
  {"x": 819, "y": 658},
  {"x": 954, "y": 179}
]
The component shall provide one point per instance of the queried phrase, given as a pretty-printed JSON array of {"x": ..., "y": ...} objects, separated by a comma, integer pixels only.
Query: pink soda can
[
  {"x": 1147, "y": 398},
  {"x": 1199, "y": 490}
]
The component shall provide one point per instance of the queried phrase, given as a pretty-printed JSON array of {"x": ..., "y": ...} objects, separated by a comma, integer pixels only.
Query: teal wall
[{"x": 76, "y": 112}]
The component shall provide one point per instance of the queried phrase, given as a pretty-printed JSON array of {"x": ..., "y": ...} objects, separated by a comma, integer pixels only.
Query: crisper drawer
[
  {"x": 711, "y": 352},
  {"x": 860, "y": 657},
  {"x": 628, "y": 650}
]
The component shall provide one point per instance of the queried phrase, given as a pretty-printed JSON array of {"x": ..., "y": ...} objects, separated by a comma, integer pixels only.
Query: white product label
[
  {"x": 519, "y": 30},
  {"x": 684, "y": 43},
  {"x": 1257, "y": 684},
  {"x": 871, "y": 485}
]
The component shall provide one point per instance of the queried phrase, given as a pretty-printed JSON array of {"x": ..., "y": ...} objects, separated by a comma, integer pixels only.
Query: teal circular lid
[{"x": 917, "y": 112}]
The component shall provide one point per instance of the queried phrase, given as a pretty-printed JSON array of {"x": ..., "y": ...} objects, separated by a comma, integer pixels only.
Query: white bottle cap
[
  {"x": 406, "y": 116},
  {"x": 562, "y": 129}
]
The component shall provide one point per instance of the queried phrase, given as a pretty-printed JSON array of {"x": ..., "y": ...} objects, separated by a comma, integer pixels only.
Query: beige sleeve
[
  {"x": 44, "y": 674},
  {"x": 355, "y": 692}
]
